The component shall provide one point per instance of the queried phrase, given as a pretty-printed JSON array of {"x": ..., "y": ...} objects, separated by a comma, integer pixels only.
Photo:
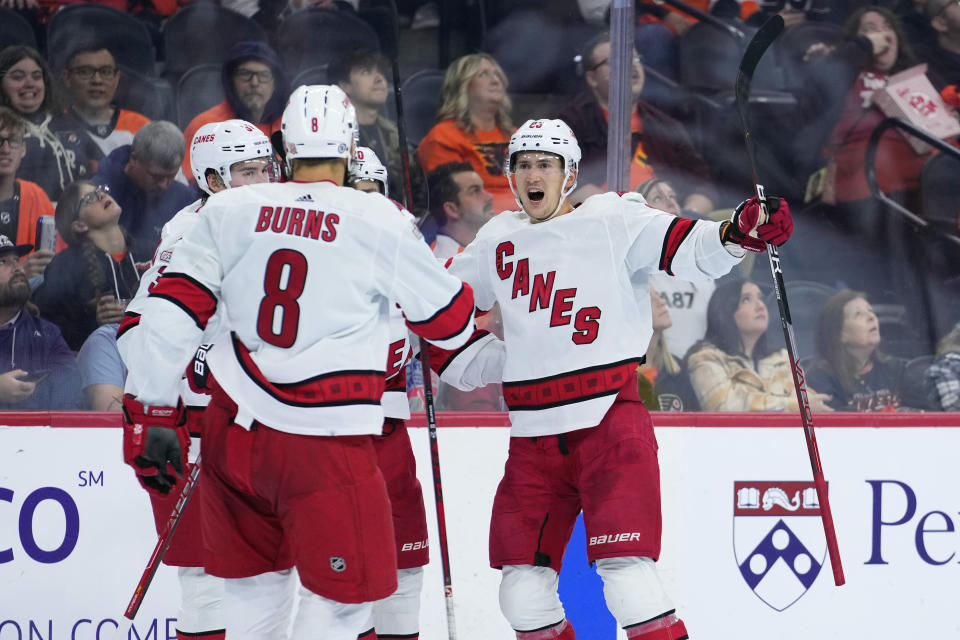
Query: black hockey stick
[
  {"x": 751, "y": 57},
  {"x": 424, "y": 353},
  {"x": 163, "y": 542}
]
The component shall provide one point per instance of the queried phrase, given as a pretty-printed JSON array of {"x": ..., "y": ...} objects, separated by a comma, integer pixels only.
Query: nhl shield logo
[
  {"x": 778, "y": 539},
  {"x": 338, "y": 564}
]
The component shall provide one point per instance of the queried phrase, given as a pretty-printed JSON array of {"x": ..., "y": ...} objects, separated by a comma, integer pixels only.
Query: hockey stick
[
  {"x": 424, "y": 353},
  {"x": 751, "y": 57},
  {"x": 163, "y": 542}
]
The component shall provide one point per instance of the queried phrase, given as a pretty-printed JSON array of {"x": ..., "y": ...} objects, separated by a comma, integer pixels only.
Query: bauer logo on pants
[
  {"x": 338, "y": 564},
  {"x": 778, "y": 539}
]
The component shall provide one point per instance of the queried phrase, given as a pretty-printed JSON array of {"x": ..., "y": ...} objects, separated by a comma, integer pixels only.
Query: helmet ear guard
[{"x": 547, "y": 136}]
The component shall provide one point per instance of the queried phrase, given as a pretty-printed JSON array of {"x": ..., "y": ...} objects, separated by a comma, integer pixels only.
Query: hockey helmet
[
  {"x": 220, "y": 145},
  {"x": 367, "y": 166},
  {"x": 547, "y": 136},
  {"x": 319, "y": 122}
]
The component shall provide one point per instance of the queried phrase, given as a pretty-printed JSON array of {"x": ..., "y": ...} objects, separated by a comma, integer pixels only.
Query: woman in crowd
[
  {"x": 733, "y": 368},
  {"x": 57, "y": 153},
  {"x": 942, "y": 379},
  {"x": 88, "y": 283},
  {"x": 873, "y": 49},
  {"x": 662, "y": 370},
  {"x": 473, "y": 124},
  {"x": 849, "y": 366}
]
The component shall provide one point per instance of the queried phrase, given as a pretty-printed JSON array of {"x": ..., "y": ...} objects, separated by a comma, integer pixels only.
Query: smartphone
[
  {"x": 46, "y": 234},
  {"x": 36, "y": 376}
]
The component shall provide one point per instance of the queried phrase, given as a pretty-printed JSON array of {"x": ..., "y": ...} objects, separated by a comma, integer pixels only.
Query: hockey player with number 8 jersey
[
  {"x": 572, "y": 285},
  {"x": 305, "y": 273}
]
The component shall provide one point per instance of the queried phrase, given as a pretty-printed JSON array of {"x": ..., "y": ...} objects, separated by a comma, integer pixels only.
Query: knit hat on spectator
[{"x": 20, "y": 249}]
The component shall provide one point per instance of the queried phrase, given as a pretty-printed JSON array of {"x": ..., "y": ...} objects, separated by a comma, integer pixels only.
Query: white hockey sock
[
  {"x": 201, "y": 601},
  {"x": 632, "y": 589},
  {"x": 329, "y": 619},
  {"x": 528, "y": 597},
  {"x": 399, "y": 613},
  {"x": 259, "y": 608}
]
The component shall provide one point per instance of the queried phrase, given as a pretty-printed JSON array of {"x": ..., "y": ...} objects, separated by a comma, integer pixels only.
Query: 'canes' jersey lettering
[
  {"x": 305, "y": 299},
  {"x": 575, "y": 300}
]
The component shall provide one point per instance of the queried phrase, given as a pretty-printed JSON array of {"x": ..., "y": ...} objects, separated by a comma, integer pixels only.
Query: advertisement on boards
[{"x": 744, "y": 554}]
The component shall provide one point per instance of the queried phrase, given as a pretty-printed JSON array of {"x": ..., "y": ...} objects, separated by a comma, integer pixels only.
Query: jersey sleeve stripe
[
  {"x": 570, "y": 387},
  {"x": 332, "y": 389},
  {"x": 677, "y": 232},
  {"x": 195, "y": 299},
  {"x": 441, "y": 358},
  {"x": 130, "y": 320},
  {"x": 450, "y": 321}
]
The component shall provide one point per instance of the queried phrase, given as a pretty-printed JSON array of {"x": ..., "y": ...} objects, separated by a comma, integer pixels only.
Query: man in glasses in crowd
[
  {"x": 91, "y": 77},
  {"x": 660, "y": 146},
  {"x": 22, "y": 202},
  {"x": 255, "y": 88}
]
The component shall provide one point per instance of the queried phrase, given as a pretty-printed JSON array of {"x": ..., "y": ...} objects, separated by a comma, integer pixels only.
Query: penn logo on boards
[{"x": 778, "y": 539}]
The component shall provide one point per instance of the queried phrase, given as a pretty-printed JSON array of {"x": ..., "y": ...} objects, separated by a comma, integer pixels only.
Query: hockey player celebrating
[
  {"x": 398, "y": 616},
  {"x": 223, "y": 155},
  {"x": 572, "y": 287},
  {"x": 304, "y": 272}
]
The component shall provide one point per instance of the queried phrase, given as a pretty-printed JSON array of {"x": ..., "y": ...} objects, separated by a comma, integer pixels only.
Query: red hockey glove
[
  {"x": 746, "y": 217},
  {"x": 779, "y": 226},
  {"x": 155, "y": 444}
]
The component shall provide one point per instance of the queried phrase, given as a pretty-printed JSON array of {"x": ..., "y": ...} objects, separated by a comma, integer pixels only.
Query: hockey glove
[
  {"x": 155, "y": 444},
  {"x": 779, "y": 226},
  {"x": 746, "y": 217}
]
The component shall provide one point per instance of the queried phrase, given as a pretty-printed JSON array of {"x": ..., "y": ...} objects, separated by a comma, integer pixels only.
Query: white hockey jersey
[
  {"x": 574, "y": 294},
  {"x": 303, "y": 274},
  {"x": 127, "y": 335}
]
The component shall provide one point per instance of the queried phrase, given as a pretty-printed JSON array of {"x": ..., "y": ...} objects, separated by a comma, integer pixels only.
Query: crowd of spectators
[{"x": 71, "y": 147}]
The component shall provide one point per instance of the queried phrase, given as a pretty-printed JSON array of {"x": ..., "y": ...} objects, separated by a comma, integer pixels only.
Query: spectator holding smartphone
[
  {"x": 22, "y": 203},
  {"x": 40, "y": 372}
]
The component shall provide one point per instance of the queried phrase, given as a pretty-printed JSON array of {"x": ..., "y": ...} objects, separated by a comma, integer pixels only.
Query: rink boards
[{"x": 743, "y": 549}]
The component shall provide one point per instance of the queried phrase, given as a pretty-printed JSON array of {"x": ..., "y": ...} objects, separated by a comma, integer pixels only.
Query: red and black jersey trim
[
  {"x": 334, "y": 389},
  {"x": 196, "y": 300},
  {"x": 441, "y": 358},
  {"x": 677, "y": 232},
  {"x": 130, "y": 320},
  {"x": 570, "y": 387},
  {"x": 397, "y": 382},
  {"x": 450, "y": 321}
]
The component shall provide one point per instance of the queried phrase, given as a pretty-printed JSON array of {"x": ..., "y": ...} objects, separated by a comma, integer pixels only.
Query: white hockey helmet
[
  {"x": 319, "y": 122},
  {"x": 220, "y": 145},
  {"x": 547, "y": 136},
  {"x": 367, "y": 166}
]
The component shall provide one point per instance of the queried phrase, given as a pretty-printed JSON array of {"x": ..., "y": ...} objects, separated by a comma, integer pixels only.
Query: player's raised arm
[{"x": 697, "y": 248}]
